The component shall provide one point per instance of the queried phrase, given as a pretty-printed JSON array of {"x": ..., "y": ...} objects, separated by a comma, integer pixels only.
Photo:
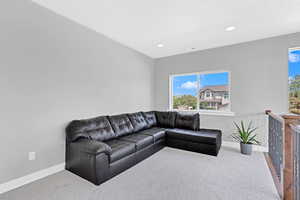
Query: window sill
[
  {"x": 208, "y": 112},
  {"x": 218, "y": 113}
]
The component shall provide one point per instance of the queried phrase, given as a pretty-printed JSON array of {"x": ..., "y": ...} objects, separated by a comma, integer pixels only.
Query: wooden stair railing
[{"x": 288, "y": 183}]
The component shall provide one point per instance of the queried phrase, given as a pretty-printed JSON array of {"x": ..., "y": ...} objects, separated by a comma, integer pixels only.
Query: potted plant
[{"x": 246, "y": 137}]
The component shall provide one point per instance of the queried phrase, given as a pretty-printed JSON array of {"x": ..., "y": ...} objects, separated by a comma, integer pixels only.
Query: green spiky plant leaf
[{"x": 245, "y": 134}]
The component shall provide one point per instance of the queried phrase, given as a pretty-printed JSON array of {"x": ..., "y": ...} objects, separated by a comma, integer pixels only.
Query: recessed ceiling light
[
  {"x": 230, "y": 28},
  {"x": 160, "y": 45}
]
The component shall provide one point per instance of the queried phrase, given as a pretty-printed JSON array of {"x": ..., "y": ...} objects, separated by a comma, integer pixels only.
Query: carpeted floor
[{"x": 170, "y": 174}]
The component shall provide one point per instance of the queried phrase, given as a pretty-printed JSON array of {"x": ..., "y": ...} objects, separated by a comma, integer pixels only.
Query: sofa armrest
[
  {"x": 89, "y": 159},
  {"x": 92, "y": 147}
]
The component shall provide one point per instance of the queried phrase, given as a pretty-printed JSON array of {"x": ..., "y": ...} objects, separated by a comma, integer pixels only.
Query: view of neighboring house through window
[
  {"x": 200, "y": 91},
  {"x": 294, "y": 80}
]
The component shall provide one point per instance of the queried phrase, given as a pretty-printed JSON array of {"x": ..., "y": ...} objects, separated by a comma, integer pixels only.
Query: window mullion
[{"x": 197, "y": 93}]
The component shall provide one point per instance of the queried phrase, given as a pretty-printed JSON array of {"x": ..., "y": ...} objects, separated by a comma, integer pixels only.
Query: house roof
[{"x": 215, "y": 88}]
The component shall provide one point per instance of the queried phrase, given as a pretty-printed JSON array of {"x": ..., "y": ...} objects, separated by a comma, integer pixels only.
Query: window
[
  {"x": 294, "y": 80},
  {"x": 207, "y": 92}
]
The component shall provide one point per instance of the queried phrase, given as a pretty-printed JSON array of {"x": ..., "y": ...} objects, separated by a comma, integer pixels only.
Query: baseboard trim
[
  {"x": 237, "y": 145},
  {"x": 15, "y": 183}
]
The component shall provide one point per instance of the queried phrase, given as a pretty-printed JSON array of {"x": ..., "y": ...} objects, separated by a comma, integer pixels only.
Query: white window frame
[{"x": 201, "y": 111}]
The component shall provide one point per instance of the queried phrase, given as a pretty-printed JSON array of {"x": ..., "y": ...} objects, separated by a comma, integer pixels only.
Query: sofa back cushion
[
  {"x": 121, "y": 124},
  {"x": 150, "y": 118},
  {"x": 138, "y": 121},
  {"x": 98, "y": 128},
  {"x": 166, "y": 119},
  {"x": 188, "y": 121}
]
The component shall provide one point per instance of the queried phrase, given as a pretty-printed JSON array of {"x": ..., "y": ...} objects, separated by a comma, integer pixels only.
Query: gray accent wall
[
  {"x": 259, "y": 80},
  {"x": 53, "y": 70}
]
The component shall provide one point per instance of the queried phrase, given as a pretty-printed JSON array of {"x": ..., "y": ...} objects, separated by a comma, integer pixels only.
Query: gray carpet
[{"x": 169, "y": 174}]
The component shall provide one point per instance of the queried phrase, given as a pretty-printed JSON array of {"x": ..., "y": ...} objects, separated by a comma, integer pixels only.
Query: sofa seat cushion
[
  {"x": 206, "y": 136},
  {"x": 138, "y": 121},
  {"x": 140, "y": 140},
  {"x": 155, "y": 132},
  {"x": 120, "y": 149}
]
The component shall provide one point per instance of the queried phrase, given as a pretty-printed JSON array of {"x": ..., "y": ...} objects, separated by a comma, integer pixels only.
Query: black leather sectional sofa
[{"x": 97, "y": 149}]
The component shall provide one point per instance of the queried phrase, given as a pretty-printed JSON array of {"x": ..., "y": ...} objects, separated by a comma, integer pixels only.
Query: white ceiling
[{"x": 181, "y": 24}]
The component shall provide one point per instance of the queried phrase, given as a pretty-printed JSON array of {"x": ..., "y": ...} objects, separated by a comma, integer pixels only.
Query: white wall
[
  {"x": 259, "y": 79},
  {"x": 53, "y": 70}
]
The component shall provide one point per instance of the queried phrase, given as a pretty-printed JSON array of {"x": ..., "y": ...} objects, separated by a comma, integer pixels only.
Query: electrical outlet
[{"x": 31, "y": 156}]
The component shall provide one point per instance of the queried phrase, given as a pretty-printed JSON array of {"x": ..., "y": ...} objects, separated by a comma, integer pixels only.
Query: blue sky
[
  {"x": 294, "y": 63},
  {"x": 188, "y": 84}
]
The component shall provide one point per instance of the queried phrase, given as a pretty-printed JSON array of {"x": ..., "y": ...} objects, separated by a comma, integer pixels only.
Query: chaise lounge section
[{"x": 98, "y": 149}]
